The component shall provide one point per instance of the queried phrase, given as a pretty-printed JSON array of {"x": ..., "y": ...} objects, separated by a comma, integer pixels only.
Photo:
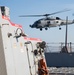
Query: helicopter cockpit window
[
  {"x": 57, "y": 18},
  {"x": 37, "y": 22}
]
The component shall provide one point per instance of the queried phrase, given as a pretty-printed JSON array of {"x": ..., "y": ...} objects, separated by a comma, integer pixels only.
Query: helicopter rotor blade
[
  {"x": 30, "y": 15},
  {"x": 57, "y": 12},
  {"x": 45, "y": 14}
]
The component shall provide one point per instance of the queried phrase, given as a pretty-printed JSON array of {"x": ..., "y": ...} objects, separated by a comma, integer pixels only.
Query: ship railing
[{"x": 57, "y": 47}]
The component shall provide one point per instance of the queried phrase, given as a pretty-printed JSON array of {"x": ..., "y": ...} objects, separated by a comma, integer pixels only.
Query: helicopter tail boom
[{"x": 68, "y": 22}]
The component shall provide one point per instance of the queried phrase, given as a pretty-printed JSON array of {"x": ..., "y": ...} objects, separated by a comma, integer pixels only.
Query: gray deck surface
[
  {"x": 60, "y": 74},
  {"x": 61, "y": 71}
]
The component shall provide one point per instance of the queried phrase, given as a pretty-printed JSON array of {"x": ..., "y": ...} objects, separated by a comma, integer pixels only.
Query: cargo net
[{"x": 59, "y": 47}]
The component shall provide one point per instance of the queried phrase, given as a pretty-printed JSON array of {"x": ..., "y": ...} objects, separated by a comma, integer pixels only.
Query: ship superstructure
[{"x": 19, "y": 54}]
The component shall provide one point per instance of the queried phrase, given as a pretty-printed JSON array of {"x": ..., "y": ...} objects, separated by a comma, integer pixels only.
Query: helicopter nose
[{"x": 31, "y": 26}]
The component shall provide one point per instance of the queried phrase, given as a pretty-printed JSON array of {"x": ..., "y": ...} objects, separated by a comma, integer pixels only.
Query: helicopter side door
[
  {"x": 43, "y": 23},
  {"x": 54, "y": 23}
]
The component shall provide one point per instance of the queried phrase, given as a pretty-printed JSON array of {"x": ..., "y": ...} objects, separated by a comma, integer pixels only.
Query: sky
[{"x": 30, "y": 7}]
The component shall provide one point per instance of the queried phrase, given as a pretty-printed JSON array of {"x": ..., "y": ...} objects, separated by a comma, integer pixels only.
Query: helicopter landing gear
[
  {"x": 59, "y": 28},
  {"x": 40, "y": 29},
  {"x": 46, "y": 28}
]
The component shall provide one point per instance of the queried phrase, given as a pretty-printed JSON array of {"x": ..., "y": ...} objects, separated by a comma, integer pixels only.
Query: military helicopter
[{"x": 49, "y": 22}]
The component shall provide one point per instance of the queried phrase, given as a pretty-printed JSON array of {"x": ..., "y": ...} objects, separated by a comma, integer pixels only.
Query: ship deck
[
  {"x": 61, "y": 74},
  {"x": 61, "y": 71}
]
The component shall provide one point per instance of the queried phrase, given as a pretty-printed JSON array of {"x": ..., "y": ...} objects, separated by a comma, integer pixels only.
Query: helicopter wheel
[
  {"x": 40, "y": 29},
  {"x": 46, "y": 28},
  {"x": 59, "y": 28}
]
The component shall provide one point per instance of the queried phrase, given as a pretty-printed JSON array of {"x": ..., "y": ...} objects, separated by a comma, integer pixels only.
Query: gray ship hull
[{"x": 60, "y": 59}]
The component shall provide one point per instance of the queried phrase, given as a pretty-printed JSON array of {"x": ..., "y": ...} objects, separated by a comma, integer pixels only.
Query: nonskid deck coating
[{"x": 60, "y": 74}]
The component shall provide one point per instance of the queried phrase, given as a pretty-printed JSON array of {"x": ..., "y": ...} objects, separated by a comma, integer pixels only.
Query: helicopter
[{"x": 49, "y": 22}]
